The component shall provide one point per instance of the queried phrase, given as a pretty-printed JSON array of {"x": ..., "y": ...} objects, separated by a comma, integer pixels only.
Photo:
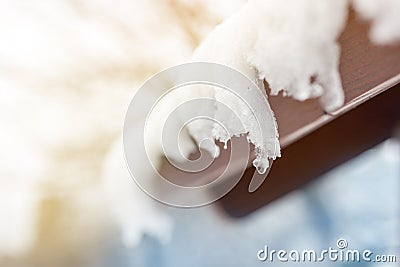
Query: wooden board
[{"x": 313, "y": 141}]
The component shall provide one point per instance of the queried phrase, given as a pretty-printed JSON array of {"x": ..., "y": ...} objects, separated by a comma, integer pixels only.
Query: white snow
[
  {"x": 287, "y": 43},
  {"x": 295, "y": 41},
  {"x": 293, "y": 46},
  {"x": 385, "y": 19}
]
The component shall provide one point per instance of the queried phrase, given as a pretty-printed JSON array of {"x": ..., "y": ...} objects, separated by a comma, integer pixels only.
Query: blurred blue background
[{"x": 358, "y": 201}]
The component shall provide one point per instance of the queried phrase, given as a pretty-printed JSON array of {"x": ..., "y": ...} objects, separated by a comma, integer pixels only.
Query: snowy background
[{"x": 68, "y": 70}]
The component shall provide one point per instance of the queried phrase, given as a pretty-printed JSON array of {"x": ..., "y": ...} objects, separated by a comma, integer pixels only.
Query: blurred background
[{"x": 68, "y": 69}]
